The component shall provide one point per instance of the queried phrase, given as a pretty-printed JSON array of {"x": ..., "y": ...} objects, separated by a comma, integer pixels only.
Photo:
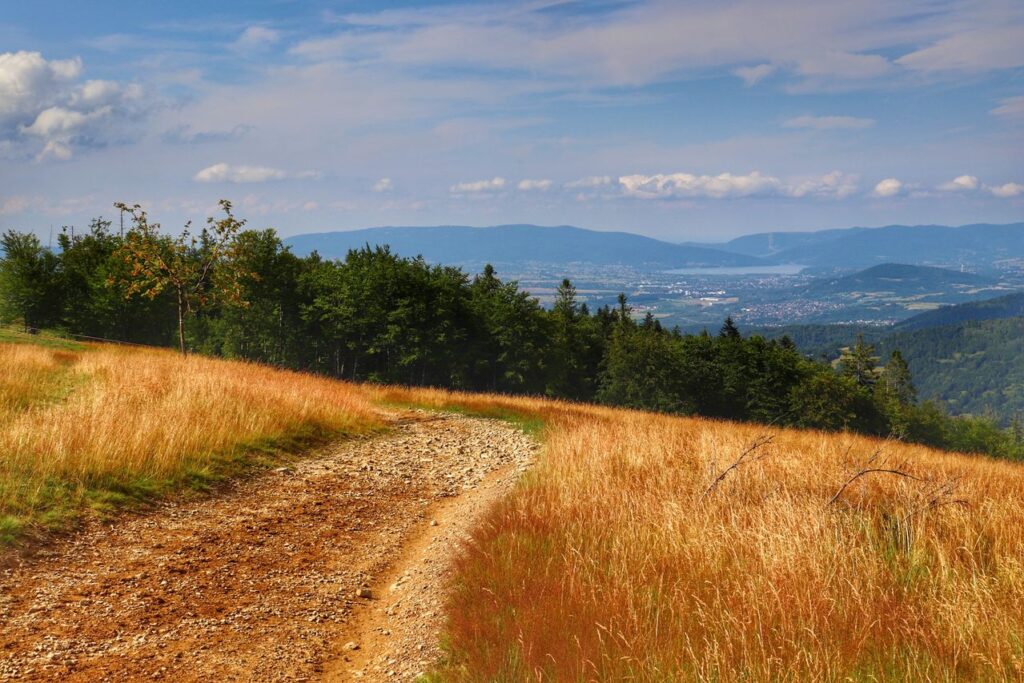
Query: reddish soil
[{"x": 262, "y": 583}]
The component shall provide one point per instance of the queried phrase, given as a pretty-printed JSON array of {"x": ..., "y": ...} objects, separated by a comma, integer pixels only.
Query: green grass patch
[
  {"x": 46, "y": 339},
  {"x": 37, "y": 509}
]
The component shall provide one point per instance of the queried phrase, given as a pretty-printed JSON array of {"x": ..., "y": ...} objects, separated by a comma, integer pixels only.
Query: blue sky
[{"x": 681, "y": 120}]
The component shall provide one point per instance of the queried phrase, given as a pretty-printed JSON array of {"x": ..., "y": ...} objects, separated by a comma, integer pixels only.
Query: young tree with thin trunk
[{"x": 197, "y": 270}]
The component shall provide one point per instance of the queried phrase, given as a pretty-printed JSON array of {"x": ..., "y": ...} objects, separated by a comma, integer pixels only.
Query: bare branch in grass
[
  {"x": 867, "y": 469},
  {"x": 745, "y": 457}
]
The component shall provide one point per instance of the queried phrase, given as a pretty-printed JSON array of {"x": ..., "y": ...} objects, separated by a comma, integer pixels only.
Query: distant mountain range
[
  {"x": 980, "y": 246},
  {"x": 504, "y": 244}
]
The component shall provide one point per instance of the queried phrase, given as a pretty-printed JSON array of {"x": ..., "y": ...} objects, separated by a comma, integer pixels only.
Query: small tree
[
  {"x": 860, "y": 364},
  {"x": 198, "y": 270}
]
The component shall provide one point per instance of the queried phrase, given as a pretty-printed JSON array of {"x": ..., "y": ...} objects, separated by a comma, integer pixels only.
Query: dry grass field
[
  {"x": 639, "y": 547},
  {"x": 104, "y": 426},
  {"x": 614, "y": 561}
]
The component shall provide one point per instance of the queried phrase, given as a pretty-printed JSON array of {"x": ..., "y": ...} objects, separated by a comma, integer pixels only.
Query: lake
[{"x": 788, "y": 269}]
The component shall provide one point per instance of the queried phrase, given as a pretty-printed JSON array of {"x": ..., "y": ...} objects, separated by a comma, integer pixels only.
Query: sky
[{"x": 680, "y": 120}]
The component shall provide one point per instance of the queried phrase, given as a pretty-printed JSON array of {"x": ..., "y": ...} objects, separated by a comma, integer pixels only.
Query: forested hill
[
  {"x": 974, "y": 368},
  {"x": 506, "y": 244},
  {"x": 1009, "y": 306},
  {"x": 980, "y": 245},
  {"x": 899, "y": 278}
]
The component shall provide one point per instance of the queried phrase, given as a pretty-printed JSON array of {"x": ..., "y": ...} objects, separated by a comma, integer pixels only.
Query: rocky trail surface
[{"x": 331, "y": 569}]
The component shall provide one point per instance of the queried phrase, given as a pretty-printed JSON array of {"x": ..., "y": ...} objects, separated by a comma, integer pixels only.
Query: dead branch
[
  {"x": 868, "y": 469},
  {"x": 938, "y": 497},
  {"x": 754, "y": 446}
]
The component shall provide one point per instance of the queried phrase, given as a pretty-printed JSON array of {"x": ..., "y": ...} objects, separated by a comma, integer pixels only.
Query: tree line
[{"x": 376, "y": 316}]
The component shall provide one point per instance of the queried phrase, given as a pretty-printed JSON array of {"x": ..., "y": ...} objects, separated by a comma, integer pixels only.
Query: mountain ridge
[{"x": 460, "y": 244}]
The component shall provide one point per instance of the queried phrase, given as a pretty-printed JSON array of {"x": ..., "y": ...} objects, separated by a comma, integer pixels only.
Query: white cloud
[
  {"x": 834, "y": 185},
  {"x": 256, "y": 37},
  {"x": 590, "y": 181},
  {"x": 754, "y": 74},
  {"x": 29, "y": 83},
  {"x": 829, "y": 122},
  {"x": 890, "y": 187},
  {"x": 226, "y": 173},
  {"x": 1007, "y": 190},
  {"x": 837, "y": 185},
  {"x": 44, "y": 109},
  {"x": 963, "y": 183},
  {"x": 628, "y": 44},
  {"x": 1010, "y": 108},
  {"x": 528, "y": 185},
  {"x": 492, "y": 185},
  {"x": 990, "y": 47},
  {"x": 383, "y": 185},
  {"x": 722, "y": 186}
]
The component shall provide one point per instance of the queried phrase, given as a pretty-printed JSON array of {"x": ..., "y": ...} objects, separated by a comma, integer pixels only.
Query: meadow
[
  {"x": 104, "y": 427},
  {"x": 638, "y": 549}
]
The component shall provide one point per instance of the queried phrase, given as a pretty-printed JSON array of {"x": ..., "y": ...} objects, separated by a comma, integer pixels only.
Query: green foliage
[
  {"x": 29, "y": 281},
  {"x": 375, "y": 316}
]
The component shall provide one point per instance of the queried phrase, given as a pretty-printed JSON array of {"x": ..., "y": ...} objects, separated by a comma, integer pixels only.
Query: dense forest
[
  {"x": 972, "y": 367},
  {"x": 380, "y": 317}
]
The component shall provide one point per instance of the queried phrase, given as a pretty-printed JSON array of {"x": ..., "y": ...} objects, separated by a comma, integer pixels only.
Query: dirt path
[{"x": 263, "y": 583}]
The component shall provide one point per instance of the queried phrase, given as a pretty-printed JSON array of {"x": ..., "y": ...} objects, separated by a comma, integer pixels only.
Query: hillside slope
[
  {"x": 900, "y": 279},
  {"x": 518, "y": 244},
  {"x": 979, "y": 246},
  {"x": 1008, "y": 306},
  {"x": 639, "y": 546},
  {"x": 974, "y": 367}
]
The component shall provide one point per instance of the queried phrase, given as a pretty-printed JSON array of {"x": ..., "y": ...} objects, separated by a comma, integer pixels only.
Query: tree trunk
[{"x": 181, "y": 322}]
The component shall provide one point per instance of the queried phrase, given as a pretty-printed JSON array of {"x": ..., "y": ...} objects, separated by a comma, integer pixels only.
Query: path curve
[{"x": 263, "y": 582}]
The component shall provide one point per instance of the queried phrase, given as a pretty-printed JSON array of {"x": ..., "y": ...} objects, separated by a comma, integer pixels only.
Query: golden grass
[
  {"x": 606, "y": 563},
  {"x": 134, "y": 422}
]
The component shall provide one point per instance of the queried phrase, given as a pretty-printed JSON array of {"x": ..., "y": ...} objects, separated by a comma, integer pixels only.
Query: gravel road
[{"x": 331, "y": 569}]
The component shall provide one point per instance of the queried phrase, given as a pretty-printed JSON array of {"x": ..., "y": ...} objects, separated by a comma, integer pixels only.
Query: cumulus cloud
[
  {"x": 45, "y": 108},
  {"x": 29, "y": 83},
  {"x": 963, "y": 183},
  {"x": 383, "y": 185},
  {"x": 754, "y": 74},
  {"x": 829, "y": 122},
  {"x": 1007, "y": 190},
  {"x": 226, "y": 173},
  {"x": 590, "y": 182},
  {"x": 724, "y": 185},
  {"x": 835, "y": 184},
  {"x": 528, "y": 185},
  {"x": 890, "y": 187},
  {"x": 1010, "y": 108},
  {"x": 492, "y": 185}
]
